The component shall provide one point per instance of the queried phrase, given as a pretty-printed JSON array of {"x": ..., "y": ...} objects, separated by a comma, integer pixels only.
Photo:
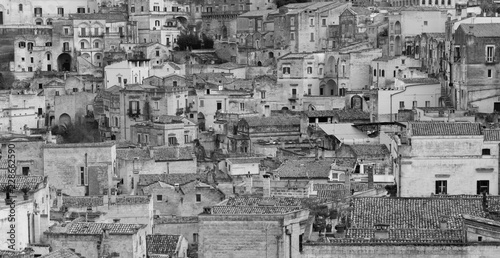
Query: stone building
[
  {"x": 165, "y": 131},
  {"x": 476, "y": 67},
  {"x": 99, "y": 239},
  {"x": 304, "y": 27},
  {"x": 449, "y": 158},
  {"x": 82, "y": 168},
  {"x": 29, "y": 154},
  {"x": 253, "y": 227},
  {"x": 178, "y": 194},
  {"x": 184, "y": 226},
  {"x": 453, "y": 223}
]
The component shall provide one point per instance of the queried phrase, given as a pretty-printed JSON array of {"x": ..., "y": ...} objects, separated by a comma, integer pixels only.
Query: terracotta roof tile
[
  {"x": 311, "y": 168},
  {"x": 333, "y": 194},
  {"x": 171, "y": 179},
  {"x": 23, "y": 181},
  {"x": 317, "y": 187},
  {"x": 279, "y": 120},
  {"x": 347, "y": 114},
  {"x": 247, "y": 210},
  {"x": 82, "y": 201},
  {"x": 369, "y": 149},
  {"x": 409, "y": 234},
  {"x": 62, "y": 253},
  {"x": 132, "y": 153},
  {"x": 492, "y": 135},
  {"x": 417, "y": 213},
  {"x": 448, "y": 129},
  {"x": 173, "y": 153},
  {"x": 131, "y": 200},
  {"x": 175, "y": 220},
  {"x": 162, "y": 244},
  {"x": 90, "y": 228},
  {"x": 485, "y": 30}
]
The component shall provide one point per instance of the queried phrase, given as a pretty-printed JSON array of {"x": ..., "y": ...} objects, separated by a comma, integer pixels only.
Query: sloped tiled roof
[
  {"x": 420, "y": 80},
  {"x": 369, "y": 149},
  {"x": 62, "y": 253},
  {"x": 448, "y": 129},
  {"x": 89, "y": 228},
  {"x": 417, "y": 213},
  {"x": 245, "y": 160},
  {"x": 266, "y": 201},
  {"x": 492, "y": 135},
  {"x": 132, "y": 153},
  {"x": 173, "y": 153},
  {"x": 131, "y": 200},
  {"x": 485, "y": 30},
  {"x": 317, "y": 187},
  {"x": 82, "y": 201},
  {"x": 175, "y": 220},
  {"x": 162, "y": 244},
  {"x": 272, "y": 121},
  {"x": 23, "y": 181},
  {"x": 311, "y": 168},
  {"x": 254, "y": 210},
  {"x": 171, "y": 179},
  {"x": 333, "y": 194},
  {"x": 416, "y": 234}
]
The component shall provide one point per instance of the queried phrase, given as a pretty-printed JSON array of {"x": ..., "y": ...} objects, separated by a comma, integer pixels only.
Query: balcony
[
  {"x": 294, "y": 97},
  {"x": 90, "y": 35}
]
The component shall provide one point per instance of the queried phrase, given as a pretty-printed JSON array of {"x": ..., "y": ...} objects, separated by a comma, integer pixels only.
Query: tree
[
  {"x": 188, "y": 41},
  {"x": 7, "y": 80},
  {"x": 280, "y": 3}
]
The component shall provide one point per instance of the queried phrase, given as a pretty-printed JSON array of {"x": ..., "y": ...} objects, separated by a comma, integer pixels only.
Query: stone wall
[{"x": 389, "y": 251}]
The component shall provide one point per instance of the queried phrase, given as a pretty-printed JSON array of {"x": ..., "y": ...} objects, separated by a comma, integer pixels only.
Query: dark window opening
[
  {"x": 486, "y": 152},
  {"x": 483, "y": 186},
  {"x": 441, "y": 186}
]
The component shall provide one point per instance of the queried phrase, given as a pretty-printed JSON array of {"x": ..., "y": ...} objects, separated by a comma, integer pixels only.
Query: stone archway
[
  {"x": 64, "y": 119},
  {"x": 64, "y": 62},
  {"x": 333, "y": 89},
  {"x": 259, "y": 63}
]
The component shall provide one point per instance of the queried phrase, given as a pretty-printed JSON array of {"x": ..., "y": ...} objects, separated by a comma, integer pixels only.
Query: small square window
[
  {"x": 159, "y": 197},
  {"x": 198, "y": 197},
  {"x": 425, "y": 23},
  {"x": 490, "y": 73},
  {"x": 485, "y": 152}
]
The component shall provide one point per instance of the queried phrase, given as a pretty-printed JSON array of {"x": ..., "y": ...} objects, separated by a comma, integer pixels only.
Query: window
[
  {"x": 292, "y": 35},
  {"x": 38, "y": 12},
  {"x": 202, "y": 103},
  {"x": 31, "y": 59},
  {"x": 401, "y": 104},
  {"x": 402, "y": 61},
  {"x": 66, "y": 31},
  {"x": 174, "y": 83},
  {"x": 198, "y": 197},
  {"x": 483, "y": 186},
  {"x": 312, "y": 37},
  {"x": 142, "y": 8},
  {"x": 414, "y": 104},
  {"x": 96, "y": 31},
  {"x": 157, "y": 23},
  {"x": 82, "y": 45},
  {"x": 20, "y": 7},
  {"x": 138, "y": 138},
  {"x": 320, "y": 71},
  {"x": 219, "y": 105},
  {"x": 186, "y": 138},
  {"x": 311, "y": 21},
  {"x": 427, "y": 103},
  {"x": 172, "y": 141},
  {"x": 286, "y": 70},
  {"x": 156, "y": 8},
  {"x": 374, "y": 72},
  {"x": 485, "y": 152},
  {"x": 146, "y": 138},
  {"x": 425, "y": 23},
  {"x": 96, "y": 44},
  {"x": 132, "y": 9},
  {"x": 441, "y": 186},
  {"x": 383, "y": 73},
  {"x": 292, "y": 21},
  {"x": 40, "y": 86},
  {"x": 159, "y": 197},
  {"x": 323, "y": 22},
  {"x": 309, "y": 70},
  {"x": 133, "y": 107},
  {"x": 83, "y": 176},
  {"x": 490, "y": 53},
  {"x": 262, "y": 94},
  {"x": 157, "y": 52},
  {"x": 489, "y": 73},
  {"x": 80, "y": 10},
  {"x": 195, "y": 237},
  {"x": 26, "y": 171}
]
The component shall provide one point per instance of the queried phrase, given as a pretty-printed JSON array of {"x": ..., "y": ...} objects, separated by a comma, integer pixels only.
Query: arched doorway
[
  {"x": 259, "y": 63},
  {"x": 64, "y": 62},
  {"x": 397, "y": 46},
  {"x": 284, "y": 108},
  {"x": 332, "y": 88},
  {"x": 64, "y": 119},
  {"x": 356, "y": 102},
  {"x": 201, "y": 121}
]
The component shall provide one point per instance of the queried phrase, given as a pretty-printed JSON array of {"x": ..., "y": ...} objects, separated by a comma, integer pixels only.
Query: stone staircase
[{"x": 446, "y": 98}]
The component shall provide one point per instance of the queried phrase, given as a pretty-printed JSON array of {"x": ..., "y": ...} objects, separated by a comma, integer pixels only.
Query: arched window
[
  {"x": 48, "y": 57},
  {"x": 82, "y": 45},
  {"x": 96, "y": 44},
  {"x": 157, "y": 23},
  {"x": 49, "y": 21},
  {"x": 20, "y": 7}
]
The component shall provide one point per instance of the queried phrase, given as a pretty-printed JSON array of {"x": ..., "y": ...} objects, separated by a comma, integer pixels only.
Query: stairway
[{"x": 446, "y": 99}]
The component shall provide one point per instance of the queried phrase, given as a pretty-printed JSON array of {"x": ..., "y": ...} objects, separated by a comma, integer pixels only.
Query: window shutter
[
  {"x": 437, "y": 187},
  {"x": 86, "y": 176}
]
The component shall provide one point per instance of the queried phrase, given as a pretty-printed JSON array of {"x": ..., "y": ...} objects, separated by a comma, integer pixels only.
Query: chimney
[
  {"x": 267, "y": 185},
  {"x": 59, "y": 198},
  {"x": 381, "y": 231},
  {"x": 443, "y": 224},
  {"x": 316, "y": 155},
  {"x": 370, "y": 177},
  {"x": 248, "y": 183}
]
